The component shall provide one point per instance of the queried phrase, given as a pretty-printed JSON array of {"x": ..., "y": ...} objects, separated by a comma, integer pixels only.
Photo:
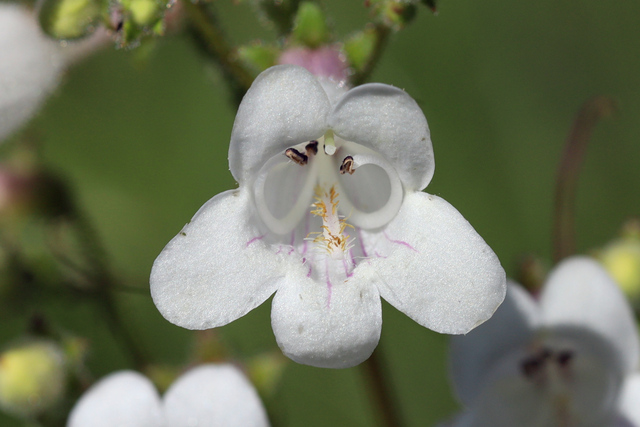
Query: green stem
[
  {"x": 382, "y": 33},
  {"x": 569, "y": 171},
  {"x": 381, "y": 393},
  {"x": 107, "y": 302},
  {"x": 104, "y": 284},
  {"x": 212, "y": 39}
]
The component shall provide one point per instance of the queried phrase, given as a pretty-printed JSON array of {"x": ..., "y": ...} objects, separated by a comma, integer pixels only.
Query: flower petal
[
  {"x": 213, "y": 396},
  {"x": 327, "y": 325},
  {"x": 580, "y": 293},
  {"x": 389, "y": 121},
  {"x": 583, "y": 396},
  {"x": 123, "y": 399},
  {"x": 440, "y": 271},
  {"x": 30, "y": 67},
  {"x": 472, "y": 355},
  {"x": 217, "y": 268},
  {"x": 285, "y": 105},
  {"x": 629, "y": 401}
]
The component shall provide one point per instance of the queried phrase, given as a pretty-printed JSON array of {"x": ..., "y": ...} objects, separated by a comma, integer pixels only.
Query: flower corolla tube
[
  {"x": 330, "y": 216},
  {"x": 206, "y": 396},
  {"x": 567, "y": 358}
]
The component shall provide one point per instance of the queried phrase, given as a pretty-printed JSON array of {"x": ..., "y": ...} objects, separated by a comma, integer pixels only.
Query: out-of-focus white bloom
[
  {"x": 330, "y": 214},
  {"x": 559, "y": 360},
  {"x": 206, "y": 396},
  {"x": 31, "y": 64}
]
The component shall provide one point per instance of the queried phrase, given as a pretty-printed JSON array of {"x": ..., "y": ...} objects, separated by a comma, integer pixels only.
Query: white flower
[
  {"x": 206, "y": 396},
  {"x": 560, "y": 360},
  {"x": 31, "y": 64},
  {"x": 329, "y": 214},
  {"x": 30, "y": 67}
]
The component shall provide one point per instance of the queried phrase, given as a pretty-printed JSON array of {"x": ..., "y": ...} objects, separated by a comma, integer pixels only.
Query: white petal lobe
[
  {"x": 333, "y": 325},
  {"x": 285, "y": 105},
  {"x": 389, "y": 121},
  {"x": 579, "y": 292},
  {"x": 213, "y": 396},
  {"x": 440, "y": 272},
  {"x": 123, "y": 399},
  {"x": 217, "y": 268}
]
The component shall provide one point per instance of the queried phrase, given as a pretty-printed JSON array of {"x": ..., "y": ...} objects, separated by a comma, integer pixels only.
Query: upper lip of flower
[{"x": 413, "y": 249}]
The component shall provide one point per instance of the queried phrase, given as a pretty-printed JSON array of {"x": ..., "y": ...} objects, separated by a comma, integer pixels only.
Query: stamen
[
  {"x": 311, "y": 148},
  {"x": 296, "y": 156},
  {"x": 332, "y": 237},
  {"x": 564, "y": 358},
  {"x": 347, "y": 166}
]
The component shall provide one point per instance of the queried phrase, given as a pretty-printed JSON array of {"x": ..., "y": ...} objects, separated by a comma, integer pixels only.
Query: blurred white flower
[
  {"x": 330, "y": 215},
  {"x": 558, "y": 360},
  {"x": 31, "y": 64},
  {"x": 206, "y": 396}
]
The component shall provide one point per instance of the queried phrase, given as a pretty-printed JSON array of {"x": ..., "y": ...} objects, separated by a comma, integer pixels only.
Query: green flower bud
[
  {"x": 68, "y": 19},
  {"x": 258, "y": 56},
  {"x": 359, "y": 48},
  {"x": 145, "y": 12},
  {"x": 621, "y": 258},
  {"x": 32, "y": 378},
  {"x": 265, "y": 372},
  {"x": 310, "y": 27}
]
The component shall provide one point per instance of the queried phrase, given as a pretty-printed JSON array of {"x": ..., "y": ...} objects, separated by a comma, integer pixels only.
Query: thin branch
[
  {"x": 381, "y": 393},
  {"x": 569, "y": 170},
  {"x": 213, "y": 41}
]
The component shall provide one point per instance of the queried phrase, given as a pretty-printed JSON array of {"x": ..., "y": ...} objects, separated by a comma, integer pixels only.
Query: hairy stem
[
  {"x": 381, "y": 394},
  {"x": 569, "y": 170}
]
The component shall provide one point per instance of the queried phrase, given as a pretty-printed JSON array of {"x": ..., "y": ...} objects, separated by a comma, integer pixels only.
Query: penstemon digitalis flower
[
  {"x": 566, "y": 358},
  {"x": 330, "y": 216}
]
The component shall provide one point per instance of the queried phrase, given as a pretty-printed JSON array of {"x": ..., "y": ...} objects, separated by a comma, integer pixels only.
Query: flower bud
[
  {"x": 310, "y": 28},
  {"x": 258, "y": 56},
  {"x": 32, "y": 378},
  {"x": 69, "y": 19},
  {"x": 265, "y": 372},
  {"x": 621, "y": 258},
  {"x": 326, "y": 61},
  {"x": 359, "y": 48}
]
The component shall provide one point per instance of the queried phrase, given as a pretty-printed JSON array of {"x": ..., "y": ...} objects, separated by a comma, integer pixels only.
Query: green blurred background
[{"x": 144, "y": 143}]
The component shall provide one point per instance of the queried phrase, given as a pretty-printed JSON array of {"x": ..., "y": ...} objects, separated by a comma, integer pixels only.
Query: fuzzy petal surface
[
  {"x": 441, "y": 273},
  {"x": 389, "y": 121},
  {"x": 217, "y": 268},
  {"x": 213, "y": 396},
  {"x": 473, "y": 355},
  {"x": 579, "y": 292},
  {"x": 328, "y": 326},
  {"x": 30, "y": 67},
  {"x": 285, "y": 105},
  {"x": 122, "y": 399}
]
